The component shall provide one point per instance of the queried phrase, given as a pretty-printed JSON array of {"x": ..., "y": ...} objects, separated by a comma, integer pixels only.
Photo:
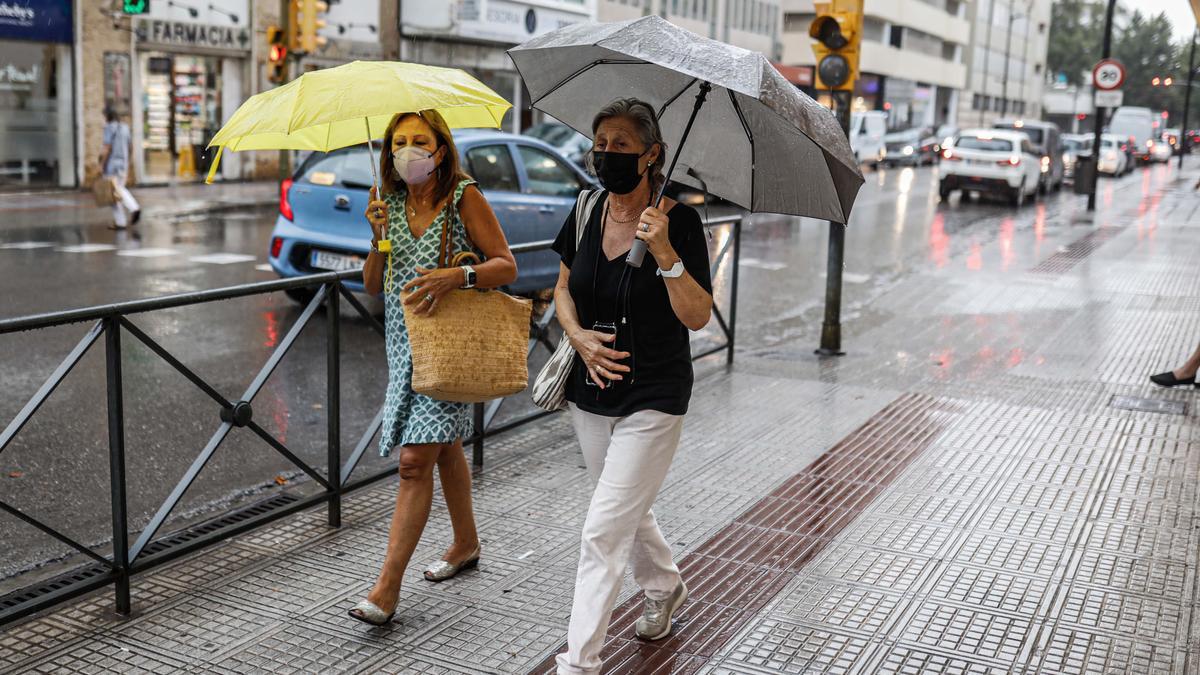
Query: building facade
[
  {"x": 1006, "y": 62},
  {"x": 475, "y": 35},
  {"x": 911, "y": 57},
  {"x": 750, "y": 24}
]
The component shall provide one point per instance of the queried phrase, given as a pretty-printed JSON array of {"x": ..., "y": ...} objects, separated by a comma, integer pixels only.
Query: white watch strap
[{"x": 675, "y": 272}]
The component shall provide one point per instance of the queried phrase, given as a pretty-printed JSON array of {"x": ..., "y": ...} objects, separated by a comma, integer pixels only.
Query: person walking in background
[
  {"x": 631, "y": 385},
  {"x": 114, "y": 164},
  {"x": 1181, "y": 376},
  {"x": 426, "y": 199}
]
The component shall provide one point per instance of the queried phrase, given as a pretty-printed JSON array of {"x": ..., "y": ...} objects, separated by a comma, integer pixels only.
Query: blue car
[{"x": 529, "y": 184}]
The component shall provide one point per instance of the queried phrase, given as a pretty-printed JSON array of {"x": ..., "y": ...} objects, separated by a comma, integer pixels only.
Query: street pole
[
  {"x": 987, "y": 61},
  {"x": 1007, "y": 58},
  {"x": 831, "y": 329},
  {"x": 1106, "y": 52},
  {"x": 1187, "y": 101},
  {"x": 285, "y": 158}
]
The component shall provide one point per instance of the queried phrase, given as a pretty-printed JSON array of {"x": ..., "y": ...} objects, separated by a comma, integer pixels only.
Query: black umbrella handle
[{"x": 637, "y": 252}]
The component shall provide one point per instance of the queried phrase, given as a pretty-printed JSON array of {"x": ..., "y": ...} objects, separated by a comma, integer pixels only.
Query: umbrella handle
[{"x": 374, "y": 169}]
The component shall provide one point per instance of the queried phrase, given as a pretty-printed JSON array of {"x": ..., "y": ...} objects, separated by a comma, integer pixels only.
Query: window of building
[
  {"x": 897, "y": 36},
  {"x": 872, "y": 29},
  {"x": 794, "y": 22},
  {"x": 976, "y": 101}
]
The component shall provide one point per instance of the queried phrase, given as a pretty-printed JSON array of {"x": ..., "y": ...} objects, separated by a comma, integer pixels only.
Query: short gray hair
[{"x": 646, "y": 120}]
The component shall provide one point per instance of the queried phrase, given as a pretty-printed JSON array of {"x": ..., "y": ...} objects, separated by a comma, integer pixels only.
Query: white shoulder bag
[{"x": 550, "y": 387}]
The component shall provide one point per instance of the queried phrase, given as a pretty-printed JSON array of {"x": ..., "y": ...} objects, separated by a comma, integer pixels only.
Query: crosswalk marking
[
  {"x": 148, "y": 252},
  {"x": 87, "y": 248},
  {"x": 26, "y": 245},
  {"x": 223, "y": 258},
  {"x": 264, "y": 268}
]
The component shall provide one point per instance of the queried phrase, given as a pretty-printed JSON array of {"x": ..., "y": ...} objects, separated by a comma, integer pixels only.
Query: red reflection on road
[
  {"x": 1006, "y": 243},
  {"x": 271, "y": 329},
  {"x": 975, "y": 258},
  {"x": 1015, "y": 357},
  {"x": 938, "y": 241}
]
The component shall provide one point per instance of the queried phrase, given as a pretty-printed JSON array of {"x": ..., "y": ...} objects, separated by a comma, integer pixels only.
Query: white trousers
[
  {"x": 125, "y": 203},
  {"x": 627, "y": 458}
]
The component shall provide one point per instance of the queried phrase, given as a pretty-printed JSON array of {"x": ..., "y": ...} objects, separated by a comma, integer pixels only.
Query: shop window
[
  {"x": 182, "y": 98},
  {"x": 36, "y": 114}
]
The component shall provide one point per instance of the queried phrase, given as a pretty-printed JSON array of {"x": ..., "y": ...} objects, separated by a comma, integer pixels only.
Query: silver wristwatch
[{"x": 468, "y": 276}]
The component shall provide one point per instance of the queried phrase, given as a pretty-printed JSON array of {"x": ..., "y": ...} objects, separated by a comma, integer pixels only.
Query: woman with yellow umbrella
[{"x": 424, "y": 204}]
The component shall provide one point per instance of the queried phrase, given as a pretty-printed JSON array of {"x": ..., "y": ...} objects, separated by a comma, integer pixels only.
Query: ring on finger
[
  {"x": 429, "y": 298},
  {"x": 645, "y": 227}
]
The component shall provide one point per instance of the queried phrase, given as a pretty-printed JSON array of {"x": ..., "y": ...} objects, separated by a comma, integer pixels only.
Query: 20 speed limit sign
[{"x": 1108, "y": 75}]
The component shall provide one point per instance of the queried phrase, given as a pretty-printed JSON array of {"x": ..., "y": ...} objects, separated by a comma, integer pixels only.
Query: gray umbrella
[{"x": 757, "y": 141}]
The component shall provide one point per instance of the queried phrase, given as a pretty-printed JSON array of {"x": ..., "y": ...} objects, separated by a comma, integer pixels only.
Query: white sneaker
[{"x": 655, "y": 623}]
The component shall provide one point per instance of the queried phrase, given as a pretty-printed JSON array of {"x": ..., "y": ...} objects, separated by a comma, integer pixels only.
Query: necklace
[
  {"x": 412, "y": 210},
  {"x": 612, "y": 216}
]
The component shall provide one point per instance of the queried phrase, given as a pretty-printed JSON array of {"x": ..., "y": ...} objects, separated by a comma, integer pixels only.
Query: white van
[
  {"x": 866, "y": 136},
  {"x": 1140, "y": 126}
]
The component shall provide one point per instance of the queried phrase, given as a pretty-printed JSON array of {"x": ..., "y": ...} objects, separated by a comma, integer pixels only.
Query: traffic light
[
  {"x": 305, "y": 19},
  {"x": 276, "y": 55},
  {"x": 837, "y": 30}
]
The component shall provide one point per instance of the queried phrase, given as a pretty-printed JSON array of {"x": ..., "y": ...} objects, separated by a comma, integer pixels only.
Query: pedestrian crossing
[{"x": 213, "y": 258}]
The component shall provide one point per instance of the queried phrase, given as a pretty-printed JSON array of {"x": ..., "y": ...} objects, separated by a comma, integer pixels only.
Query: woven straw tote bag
[
  {"x": 474, "y": 348},
  {"x": 550, "y": 387}
]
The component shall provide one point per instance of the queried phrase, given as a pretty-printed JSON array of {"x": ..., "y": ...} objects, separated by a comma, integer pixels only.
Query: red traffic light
[
  {"x": 278, "y": 53},
  {"x": 1168, "y": 81},
  {"x": 1156, "y": 81}
]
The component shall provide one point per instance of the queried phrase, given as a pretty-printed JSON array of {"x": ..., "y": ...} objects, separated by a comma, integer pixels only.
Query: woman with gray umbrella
[{"x": 631, "y": 384}]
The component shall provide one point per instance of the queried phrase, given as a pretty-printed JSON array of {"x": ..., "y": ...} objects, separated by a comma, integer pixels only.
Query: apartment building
[
  {"x": 911, "y": 61},
  {"x": 1006, "y": 63},
  {"x": 751, "y": 24}
]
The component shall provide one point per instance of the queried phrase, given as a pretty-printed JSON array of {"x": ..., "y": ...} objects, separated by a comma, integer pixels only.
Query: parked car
[
  {"x": 1045, "y": 138},
  {"x": 570, "y": 143},
  {"x": 529, "y": 184},
  {"x": 913, "y": 147},
  {"x": 1140, "y": 125},
  {"x": 866, "y": 136},
  {"x": 1113, "y": 159},
  {"x": 1174, "y": 138},
  {"x": 1074, "y": 146},
  {"x": 1001, "y": 162}
]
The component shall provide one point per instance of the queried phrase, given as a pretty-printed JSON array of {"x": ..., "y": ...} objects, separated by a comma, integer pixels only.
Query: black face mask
[{"x": 617, "y": 171}]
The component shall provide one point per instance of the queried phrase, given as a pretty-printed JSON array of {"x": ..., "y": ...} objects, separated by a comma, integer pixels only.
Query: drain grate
[
  {"x": 1074, "y": 253},
  {"x": 1152, "y": 405},
  {"x": 23, "y": 601}
]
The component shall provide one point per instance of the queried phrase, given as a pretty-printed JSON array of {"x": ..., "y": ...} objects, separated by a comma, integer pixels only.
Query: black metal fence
[{"x": 116, "y": 321}]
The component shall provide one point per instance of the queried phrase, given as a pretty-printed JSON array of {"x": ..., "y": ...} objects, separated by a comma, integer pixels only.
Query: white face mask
[{"x": 413, "y": 165}]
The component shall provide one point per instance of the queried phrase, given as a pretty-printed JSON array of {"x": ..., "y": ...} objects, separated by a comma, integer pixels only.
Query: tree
[
  {"x": 1076, "y": 29},
  {"x": 1145, "y": 47}
]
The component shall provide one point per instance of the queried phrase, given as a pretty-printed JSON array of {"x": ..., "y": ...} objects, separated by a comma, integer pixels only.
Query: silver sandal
[
  {"x": 444, "y": 569},
  {"x": 368, "y": 612}
]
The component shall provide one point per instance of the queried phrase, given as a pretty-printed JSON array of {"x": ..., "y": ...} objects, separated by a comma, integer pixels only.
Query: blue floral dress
[{"x": 410, "y": 418}]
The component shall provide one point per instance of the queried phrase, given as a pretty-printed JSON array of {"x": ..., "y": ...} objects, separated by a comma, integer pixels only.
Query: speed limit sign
[{"x": 1108, "y": 75}]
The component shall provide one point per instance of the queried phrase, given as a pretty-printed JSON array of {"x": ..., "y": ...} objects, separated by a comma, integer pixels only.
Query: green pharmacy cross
[{"x": 136, "y": 6}]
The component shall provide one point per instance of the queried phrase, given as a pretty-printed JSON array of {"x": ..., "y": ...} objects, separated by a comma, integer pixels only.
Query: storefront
[
  {"x": 37, "y": 84},
  {"x": 188, "y": 80},
  {"x": 480, "y": 33}
]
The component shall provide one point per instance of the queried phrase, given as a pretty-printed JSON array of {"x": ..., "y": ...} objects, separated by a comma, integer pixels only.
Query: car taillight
[
  {"x": 285, "y": 207},
  {"x": 276, "y": 247},
  {"x": 1011, "y": 161},
  {"x": 1150, "y": 144},
  {"x": 946, "y": 154}
]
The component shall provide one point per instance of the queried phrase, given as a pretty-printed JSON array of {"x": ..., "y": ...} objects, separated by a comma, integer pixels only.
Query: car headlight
[{"x": 908, "y": 150}]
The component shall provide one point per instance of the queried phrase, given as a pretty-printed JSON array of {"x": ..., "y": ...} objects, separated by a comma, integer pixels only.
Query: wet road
[{"x": 57, "y": 468}]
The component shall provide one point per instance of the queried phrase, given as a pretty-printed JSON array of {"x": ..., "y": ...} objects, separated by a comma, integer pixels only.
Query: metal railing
[{"x": 113, "y": 322}]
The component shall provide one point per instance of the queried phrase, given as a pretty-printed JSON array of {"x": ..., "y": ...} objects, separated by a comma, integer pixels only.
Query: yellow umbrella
[{"x": 328, "y": 109}]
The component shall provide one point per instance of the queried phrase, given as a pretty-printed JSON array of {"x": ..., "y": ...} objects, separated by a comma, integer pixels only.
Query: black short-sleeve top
[{"x": 636, "y": 300}]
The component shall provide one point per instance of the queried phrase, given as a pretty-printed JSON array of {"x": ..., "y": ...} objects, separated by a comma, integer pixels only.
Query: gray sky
[{"x": 1178, "y": 11}]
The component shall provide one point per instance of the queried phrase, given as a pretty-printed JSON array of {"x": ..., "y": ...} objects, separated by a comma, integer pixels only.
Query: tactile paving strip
[{"x": 782, "y": 533}]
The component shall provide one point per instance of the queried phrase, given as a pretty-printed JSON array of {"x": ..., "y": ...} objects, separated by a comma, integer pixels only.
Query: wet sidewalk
[
  {"x": 978, "y": 486},
  {"x": 78, "y": 207}
]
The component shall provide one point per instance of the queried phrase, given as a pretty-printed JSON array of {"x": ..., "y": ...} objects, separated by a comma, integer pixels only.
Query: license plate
[
  {"x": 336, "y": 262},
  {"x": 979, "y": 162}
]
